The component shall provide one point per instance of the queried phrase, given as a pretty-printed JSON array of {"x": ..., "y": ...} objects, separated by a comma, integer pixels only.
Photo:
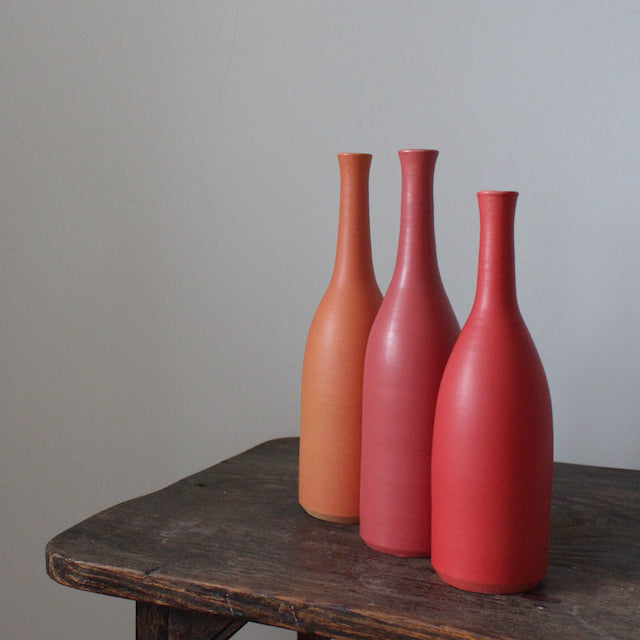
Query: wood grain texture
[
  {"x": 156, "y": 622},
  {"x": 232, "y": 540}
]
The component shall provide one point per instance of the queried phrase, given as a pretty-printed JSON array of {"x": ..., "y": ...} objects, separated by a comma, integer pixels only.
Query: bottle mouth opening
[
  {"x": 498, "y": 194},
  {"x": 420, "y": 151}
]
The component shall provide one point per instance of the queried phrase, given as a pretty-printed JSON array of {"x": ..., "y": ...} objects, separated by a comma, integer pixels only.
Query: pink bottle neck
[
  {"x": 417, "y": 245},
  {"x": 496, "y": 264},
  {"x": 353, "y": 254}
]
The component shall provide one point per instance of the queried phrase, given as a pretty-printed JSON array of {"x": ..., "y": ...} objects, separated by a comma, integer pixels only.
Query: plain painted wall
[{"x": 169, "y": 193}]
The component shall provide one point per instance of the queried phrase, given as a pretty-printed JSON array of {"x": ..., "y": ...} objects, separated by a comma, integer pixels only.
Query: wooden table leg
[{"x": 156, "y": 622}]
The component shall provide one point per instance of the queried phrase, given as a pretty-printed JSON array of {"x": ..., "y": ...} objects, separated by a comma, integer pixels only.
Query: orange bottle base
[{"x": 332, "y": 518}]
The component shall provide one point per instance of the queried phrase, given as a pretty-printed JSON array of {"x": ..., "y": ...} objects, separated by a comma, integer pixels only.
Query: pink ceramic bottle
[
  {"x": 408, "y": 347},
  {"x": 331, "y": 412},
  {"x": 493, "y": 433}
]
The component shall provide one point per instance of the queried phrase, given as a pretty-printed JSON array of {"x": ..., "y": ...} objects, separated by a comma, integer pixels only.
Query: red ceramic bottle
[
  {"x": 331, "y": 411},
  {"x": 493, "y": 436},
  {"x": 408, "y": 347}
]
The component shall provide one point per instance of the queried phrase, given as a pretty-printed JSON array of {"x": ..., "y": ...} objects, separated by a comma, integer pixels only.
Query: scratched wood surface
[{"x": 232, "y": 541}]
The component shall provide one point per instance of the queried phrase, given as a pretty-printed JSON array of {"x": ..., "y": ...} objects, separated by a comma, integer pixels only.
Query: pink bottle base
[
  {"x": 401, "y": 553},
  {"x": 495, "y": 589}
]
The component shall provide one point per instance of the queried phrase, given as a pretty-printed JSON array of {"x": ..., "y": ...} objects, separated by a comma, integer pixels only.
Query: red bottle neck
[{"x": 496, "y": 264}]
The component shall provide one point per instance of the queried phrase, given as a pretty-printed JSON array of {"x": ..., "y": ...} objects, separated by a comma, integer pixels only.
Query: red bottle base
[{"x": 496, "y": 589}]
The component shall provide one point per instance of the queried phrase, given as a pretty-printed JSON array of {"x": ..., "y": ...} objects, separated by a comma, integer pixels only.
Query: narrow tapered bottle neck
[
  {"x": 496, "y": 263},
  {"x": 417, "y": 245},
  {"x": 353, "y": 253}
]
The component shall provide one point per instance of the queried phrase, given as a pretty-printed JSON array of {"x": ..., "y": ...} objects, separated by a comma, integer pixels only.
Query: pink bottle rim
[{"x": 498, "y": 193}]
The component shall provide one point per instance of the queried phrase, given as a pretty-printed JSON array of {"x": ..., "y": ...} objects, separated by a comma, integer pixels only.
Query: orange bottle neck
[{"x": 354, "y": 260}]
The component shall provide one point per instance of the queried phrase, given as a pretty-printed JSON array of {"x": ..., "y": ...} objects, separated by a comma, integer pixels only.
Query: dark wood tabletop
[{"x": 231, "y": 544}]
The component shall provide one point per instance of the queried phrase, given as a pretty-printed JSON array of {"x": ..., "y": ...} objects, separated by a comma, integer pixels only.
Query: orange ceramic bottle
[
  {"x": 331, "y": 411},
  {"x": 408, "y": 347},
  {"x": 492, "y": 461}
]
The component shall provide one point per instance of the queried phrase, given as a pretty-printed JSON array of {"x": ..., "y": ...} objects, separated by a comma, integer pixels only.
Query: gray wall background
[{"x": 168, "y": 214}]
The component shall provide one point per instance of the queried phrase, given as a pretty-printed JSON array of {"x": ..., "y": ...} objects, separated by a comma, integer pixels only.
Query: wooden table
[{"x": 230, "y": 544}]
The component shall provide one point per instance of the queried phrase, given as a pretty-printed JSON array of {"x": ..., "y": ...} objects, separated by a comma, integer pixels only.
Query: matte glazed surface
[
  {"x": 331, "y": 410},
  {"x": 410, "y": 341},
  {"x": 493, "y": 434}
]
